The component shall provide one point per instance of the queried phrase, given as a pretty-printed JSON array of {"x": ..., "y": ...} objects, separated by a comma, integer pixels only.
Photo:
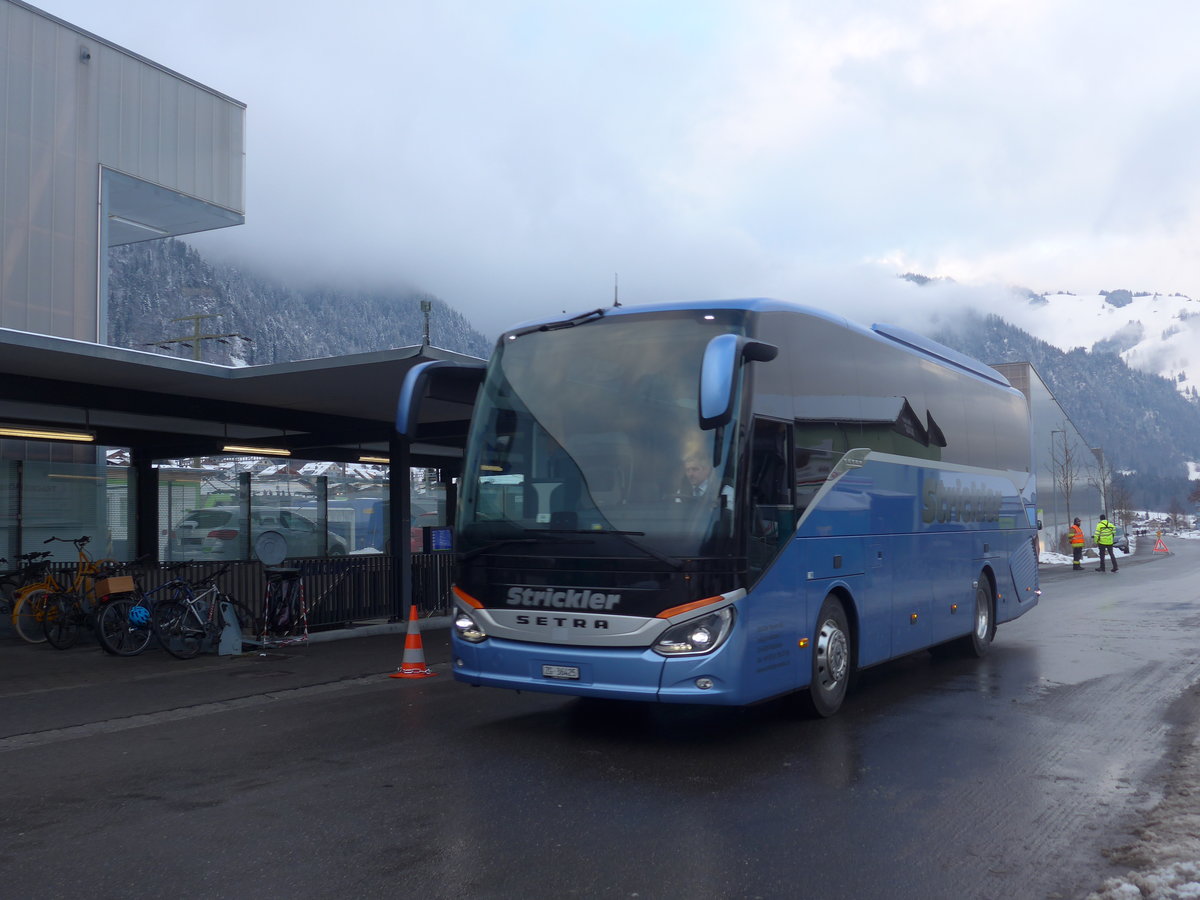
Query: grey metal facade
[
  {"x": 98, "y": 147},
  {"x": 1052, "y": 431}
]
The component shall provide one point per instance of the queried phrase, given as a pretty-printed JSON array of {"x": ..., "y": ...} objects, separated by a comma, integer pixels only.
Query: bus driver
[{"x": 697, "y": 475}]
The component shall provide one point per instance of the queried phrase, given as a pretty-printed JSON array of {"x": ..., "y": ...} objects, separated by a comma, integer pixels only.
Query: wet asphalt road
[{"x": 311, "y": 774}]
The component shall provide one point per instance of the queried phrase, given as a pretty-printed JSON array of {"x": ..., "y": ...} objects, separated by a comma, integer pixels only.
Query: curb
[{"x": 354, "y": 631}]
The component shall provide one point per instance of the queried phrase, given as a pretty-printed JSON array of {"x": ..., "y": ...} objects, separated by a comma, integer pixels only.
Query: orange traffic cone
[{"x": 413, "y": 663}]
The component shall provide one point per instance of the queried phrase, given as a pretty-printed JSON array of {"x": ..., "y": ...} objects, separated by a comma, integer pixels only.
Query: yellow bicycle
[{"x": 42, "y": 602}]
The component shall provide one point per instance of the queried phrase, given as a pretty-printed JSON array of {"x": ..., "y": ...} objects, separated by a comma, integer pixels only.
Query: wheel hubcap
[
  {"x": 833, "y": 658},
  {"x": 982, "y": 614}
]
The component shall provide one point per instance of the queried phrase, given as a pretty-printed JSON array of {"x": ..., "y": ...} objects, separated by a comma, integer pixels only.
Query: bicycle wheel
[
  {"x": 117, "y": 633},
  {"x": 27, "y": 616},
  {"x": 64, "y": 612},
  {"x": 8, "y": 591},
  {"x": 177, "y": 629}
]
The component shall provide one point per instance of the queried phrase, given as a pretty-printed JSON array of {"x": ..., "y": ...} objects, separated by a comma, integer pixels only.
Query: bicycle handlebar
[
  {"x": 212, "y": 577},
  {"x": 78, "y": 542},
  {"x": 133, "y": 563}
]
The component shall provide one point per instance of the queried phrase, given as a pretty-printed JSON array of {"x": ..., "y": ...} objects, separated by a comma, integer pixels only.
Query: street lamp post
[{"x": 1102, "y": 472}]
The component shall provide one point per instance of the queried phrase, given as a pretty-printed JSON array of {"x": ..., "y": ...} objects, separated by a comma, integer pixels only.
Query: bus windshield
[{"x": 588, "y": 436}]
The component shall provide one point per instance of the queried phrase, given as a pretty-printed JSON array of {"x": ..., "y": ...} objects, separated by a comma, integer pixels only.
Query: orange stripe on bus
[
  {"x": 688, "y": 607},
  {"x": 466, "y": 598}
]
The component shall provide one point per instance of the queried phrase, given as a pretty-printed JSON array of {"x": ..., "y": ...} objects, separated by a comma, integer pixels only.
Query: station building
[
  {"x": 1069, "y": 470},
  {"x": 101, "y": 147}
]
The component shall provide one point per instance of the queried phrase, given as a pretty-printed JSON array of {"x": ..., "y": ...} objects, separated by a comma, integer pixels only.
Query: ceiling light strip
[
  {"x": 255, "y": 451},
  {"x": 29, "y": 432}
]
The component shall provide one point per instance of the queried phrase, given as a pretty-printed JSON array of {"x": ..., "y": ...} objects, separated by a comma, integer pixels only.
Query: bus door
[{"x": 772, "y": 508}]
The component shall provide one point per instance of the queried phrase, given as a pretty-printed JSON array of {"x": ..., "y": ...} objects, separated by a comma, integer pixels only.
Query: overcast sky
[{"x": 512, "y": 156}]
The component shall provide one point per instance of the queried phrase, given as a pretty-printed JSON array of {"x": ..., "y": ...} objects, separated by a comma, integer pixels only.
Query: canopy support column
[
  {"x": 145, "y": 493},
  {"x": 400, "y": 524}
]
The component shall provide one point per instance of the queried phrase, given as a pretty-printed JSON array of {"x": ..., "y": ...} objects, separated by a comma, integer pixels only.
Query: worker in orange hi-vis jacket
[{"x": 1077, "y": 541}]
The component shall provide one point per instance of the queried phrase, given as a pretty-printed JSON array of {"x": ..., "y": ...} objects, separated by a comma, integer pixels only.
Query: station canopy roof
[{"x": 336, "y": 409}]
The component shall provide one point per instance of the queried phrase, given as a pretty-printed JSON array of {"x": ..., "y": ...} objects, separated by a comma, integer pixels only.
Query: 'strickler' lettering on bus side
[{"x": 959, "y": 504}]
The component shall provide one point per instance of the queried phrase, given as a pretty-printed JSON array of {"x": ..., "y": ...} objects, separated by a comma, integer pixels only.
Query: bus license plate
[{"x": 566, "y": 673}]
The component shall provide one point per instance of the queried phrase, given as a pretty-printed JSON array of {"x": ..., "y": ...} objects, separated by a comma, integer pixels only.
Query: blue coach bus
[{"x": 728, "y": 501}]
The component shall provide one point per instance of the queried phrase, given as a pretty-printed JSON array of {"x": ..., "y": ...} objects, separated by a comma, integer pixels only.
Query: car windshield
[{"x": 593, "y": 430}]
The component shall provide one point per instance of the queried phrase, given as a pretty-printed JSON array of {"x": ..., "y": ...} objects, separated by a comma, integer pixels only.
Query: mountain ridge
[{"x": 154, "y": 284}]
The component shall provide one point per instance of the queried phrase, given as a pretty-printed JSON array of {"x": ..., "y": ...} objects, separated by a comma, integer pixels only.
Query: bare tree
[
  {"x": 1120, "y": 502},
  {"x": 1176, "y": 512},
  {"x": 1101, "y": 475},
  {"x": 1064, "y": 468}
]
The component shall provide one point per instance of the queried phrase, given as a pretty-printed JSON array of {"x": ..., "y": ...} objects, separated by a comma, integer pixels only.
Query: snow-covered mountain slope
[{"x": 1156, "y": 333}]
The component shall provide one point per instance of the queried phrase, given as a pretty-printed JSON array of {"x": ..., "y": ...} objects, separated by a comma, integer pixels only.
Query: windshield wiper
[
  {"x": 627, "y": 536},
  {"x": 500, "y": 542},
  {"x": 492, "y": 545},
  {"x": 562, "y": 323},
  {"x": 581, "y": 531}
]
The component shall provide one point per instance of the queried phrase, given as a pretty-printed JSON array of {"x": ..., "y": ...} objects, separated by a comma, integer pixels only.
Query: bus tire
[
  {"x": 977, "y": 643},
  {"x": 832, "y": 659}
]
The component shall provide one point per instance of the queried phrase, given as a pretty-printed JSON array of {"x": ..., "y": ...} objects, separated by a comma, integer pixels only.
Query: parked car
[
  {"x": 215, "y": 533},
  {"x": 1121, "y": 539}
]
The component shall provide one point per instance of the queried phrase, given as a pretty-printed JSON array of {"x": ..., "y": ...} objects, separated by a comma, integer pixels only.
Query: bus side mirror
[
  {"x": 718, "y": 375},
  {"x": 452, "y": 379}
]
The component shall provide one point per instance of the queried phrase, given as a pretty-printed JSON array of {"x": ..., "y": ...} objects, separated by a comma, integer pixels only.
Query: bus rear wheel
[
  {"x": 831, "y": 659},
  {"x": 978, "y": 642}
]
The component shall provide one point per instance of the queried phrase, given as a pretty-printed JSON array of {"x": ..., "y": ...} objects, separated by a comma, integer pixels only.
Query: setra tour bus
[{"x": 727, "y": 501}]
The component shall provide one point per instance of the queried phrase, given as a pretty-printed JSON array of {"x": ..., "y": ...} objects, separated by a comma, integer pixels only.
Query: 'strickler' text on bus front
[{"x": 562, "y": 598}]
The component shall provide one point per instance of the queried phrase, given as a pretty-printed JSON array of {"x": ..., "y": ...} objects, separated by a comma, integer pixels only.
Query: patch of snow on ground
[{"x": 1173, "y": 882}]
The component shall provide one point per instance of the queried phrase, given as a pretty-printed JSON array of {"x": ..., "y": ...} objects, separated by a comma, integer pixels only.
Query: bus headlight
[
  {"x": 467, "y": 628},
  {"x": 698, "y": 636}
]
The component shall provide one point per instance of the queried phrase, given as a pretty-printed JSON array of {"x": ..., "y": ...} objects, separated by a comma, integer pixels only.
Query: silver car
[
  {"x": 215, "y": 533},
  {"x": 1121, "y": 539}
]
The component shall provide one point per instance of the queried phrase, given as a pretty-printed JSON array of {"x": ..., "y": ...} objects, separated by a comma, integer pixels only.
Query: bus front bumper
[{"x": 614, "y": 673}]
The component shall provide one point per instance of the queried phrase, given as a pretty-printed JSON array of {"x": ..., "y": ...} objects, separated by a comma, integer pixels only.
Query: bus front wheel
[
  {"x": 976, "y": 643},
  {"x": 831, "y": 659}
]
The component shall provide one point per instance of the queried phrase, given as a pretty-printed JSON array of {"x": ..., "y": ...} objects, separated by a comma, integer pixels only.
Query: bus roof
[{"x": 891, "y": 333}]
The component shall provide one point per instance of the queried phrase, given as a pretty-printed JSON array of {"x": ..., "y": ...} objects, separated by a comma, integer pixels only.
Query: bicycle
[
  {"x": 34, "y": 576},
  {"x": 15, "y": 579},
  {"x": 68, "y": 612},
  {"x": 123, "y": 625},
  {"x": 184, "y": 623},
  {"x": 35, "y": 601}
]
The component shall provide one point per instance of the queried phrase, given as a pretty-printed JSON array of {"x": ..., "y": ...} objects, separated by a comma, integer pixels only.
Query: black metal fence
[{"x": 339, "y": 591}]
